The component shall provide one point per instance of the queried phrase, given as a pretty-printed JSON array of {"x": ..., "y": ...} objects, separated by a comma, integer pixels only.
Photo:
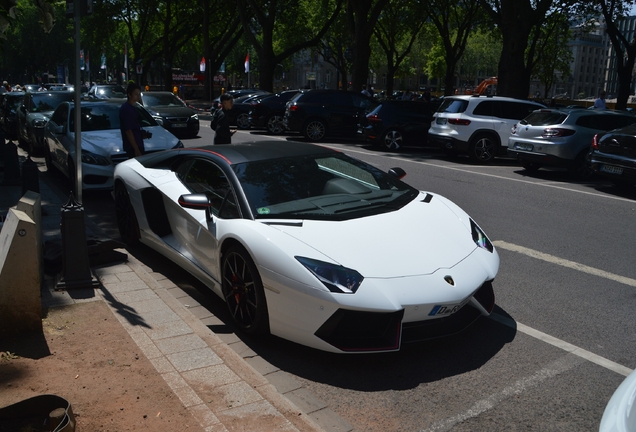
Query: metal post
[{"x": 78, "y": 112}]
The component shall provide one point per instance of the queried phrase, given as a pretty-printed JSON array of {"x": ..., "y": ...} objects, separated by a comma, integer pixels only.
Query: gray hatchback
[{"x": 562, "y": 137}]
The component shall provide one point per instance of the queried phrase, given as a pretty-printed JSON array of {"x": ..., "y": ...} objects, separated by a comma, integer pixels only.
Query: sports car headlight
[
  {"x": 94, "y": 159},
  {"x": 194, "y": 116},
  {"x": 480, "y": 238},
  {"x": 336, "y": 278}
]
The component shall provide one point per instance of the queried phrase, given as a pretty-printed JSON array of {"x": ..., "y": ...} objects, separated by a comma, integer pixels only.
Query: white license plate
[
  {"x": 441, "y": 120},
  {"x": 524, "y": 147},
  {"x": 611, "y": 169},
  {"x": 179, "y": 125}
]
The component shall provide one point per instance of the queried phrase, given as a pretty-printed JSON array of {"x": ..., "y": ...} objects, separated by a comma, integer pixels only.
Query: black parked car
[
  {"x": 267, "y": 113},
  {"x": 613, "y": 155},
  {"x": 394, "y": 123},
  {"x": 319, "y": 113},
  {"x": 175, "y": 115},
  {"x": 9, "y": 114},
  {"x": 106, "y": 91}
]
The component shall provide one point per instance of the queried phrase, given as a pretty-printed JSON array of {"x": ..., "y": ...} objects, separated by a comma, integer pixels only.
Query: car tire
[
  {"x": 125, "y": 215},
  {"x": 275, "y": 125},
  {"x": 243, "y": 291},
  {"x": 392, "y": 140},
  {"x": 531, "y": 166},
  {"x": 483, "y": 148},
  {"x": 579, "y": 169},
  {"x": 315, "y": 130},
  {"x": 243, "y": 121}
]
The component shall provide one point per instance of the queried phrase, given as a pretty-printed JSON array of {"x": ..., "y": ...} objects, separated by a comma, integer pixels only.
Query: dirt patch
[{"x": 85, "y": 356}]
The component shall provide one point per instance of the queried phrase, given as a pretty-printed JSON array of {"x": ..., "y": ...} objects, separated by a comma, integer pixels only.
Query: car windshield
[
  {"x": 334, "y": 187},
  {"x": 453, "y": 106},
  {"x": 105, "y": 117},
  {"x": 162, "y": 100},
  {"x": 544, "y": 118},
  {"x": 111, "y": 91},
  {"x": 43, "y": 102}
]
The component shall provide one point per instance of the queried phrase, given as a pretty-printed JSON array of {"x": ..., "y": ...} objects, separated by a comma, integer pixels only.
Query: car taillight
[
  {"x": 556, "y": 132},
  {"x": 292, "y": 108},
  {"x": 373, "y": 118},
  {"x": 458, "y": 122},
  {"x": 595, "y": 142}
]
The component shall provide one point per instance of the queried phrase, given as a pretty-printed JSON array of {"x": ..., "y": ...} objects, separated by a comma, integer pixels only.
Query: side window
[
  {"x": 60, "y": 115},
  {"x": 361, "y": 102},
  {"x": 589, "y": 121},
  {"x": 340, "y": 99},
  {"x": 484, "y": 108},
  {"x": 621, "y": 121},
  {"x": 206, "y": 177}
]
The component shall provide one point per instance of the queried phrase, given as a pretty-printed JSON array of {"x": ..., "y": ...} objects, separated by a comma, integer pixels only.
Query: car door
[
  {"x": 56, "y": 136},
  {"x": 508, "y": 113},
  {"x": 340, "y": 111},
  {"x": 197, "y": 231}
]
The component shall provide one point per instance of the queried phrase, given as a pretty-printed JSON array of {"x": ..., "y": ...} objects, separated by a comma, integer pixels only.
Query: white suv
[{"x": 477, "y": 125}]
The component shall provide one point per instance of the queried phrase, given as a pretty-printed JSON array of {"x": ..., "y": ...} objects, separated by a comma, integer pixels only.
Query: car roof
[
  {"x": 581, "y": 112},
  {"x": 241, "y": 152},
  {"x": 489, "y": 97}
]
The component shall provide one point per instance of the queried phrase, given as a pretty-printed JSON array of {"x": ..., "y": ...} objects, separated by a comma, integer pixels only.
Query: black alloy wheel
[
  {"x": 243, "y": 121},
  {"x": 393, "y": 140},
  {"x": 482, "y": 149},
  {"x": 125, "y": 216},
  {"x": 315, "y": 130},
  {"x": 275, "y": 124},
  {"x": 243, "y": 292}
]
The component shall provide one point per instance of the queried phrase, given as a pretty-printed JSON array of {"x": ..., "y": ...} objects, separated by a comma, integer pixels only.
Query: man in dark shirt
[
  {"x": 129, "y": 124},
  {"x": 221, "y": 122}
]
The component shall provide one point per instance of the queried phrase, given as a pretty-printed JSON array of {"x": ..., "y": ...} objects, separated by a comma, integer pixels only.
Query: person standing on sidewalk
[
  {"x": 129, "y": 124},
  {"x": 220, "y": 122}
]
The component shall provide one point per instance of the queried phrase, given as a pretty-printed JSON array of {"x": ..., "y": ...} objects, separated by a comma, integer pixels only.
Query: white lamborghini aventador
[{"x": 310, "y": 244}]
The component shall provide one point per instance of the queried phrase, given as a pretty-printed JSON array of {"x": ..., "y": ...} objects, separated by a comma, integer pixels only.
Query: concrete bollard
[
  {"x": 20, "y": 300},
  {"x": 11, "y": 164},
  {"x": 30, "y": 176}
]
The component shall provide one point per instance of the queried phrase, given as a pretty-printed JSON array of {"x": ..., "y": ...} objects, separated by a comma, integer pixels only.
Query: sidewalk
[{"x": 176, "y": 339}]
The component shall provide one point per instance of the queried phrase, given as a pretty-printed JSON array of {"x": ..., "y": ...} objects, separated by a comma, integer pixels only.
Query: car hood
[
  {"x": 171, "y": 111},
  {"x": 108, "y": 142},
  {"x": 418, "y": 239}
]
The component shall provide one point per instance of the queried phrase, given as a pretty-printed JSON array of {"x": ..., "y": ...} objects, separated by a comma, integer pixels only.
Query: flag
[
  {"x": 125, "y": 56},
  {"x": 247, "y": 62},
  {"x": 202, "y": 64}
]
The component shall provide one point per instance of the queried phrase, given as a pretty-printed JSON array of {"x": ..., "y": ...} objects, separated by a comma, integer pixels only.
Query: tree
[
  {"x": 397, "y": 29},
  {"x": 520, "y": 23},
  {"x": 362, "y": 17},
  {"x": 455, "y": 20},
  {"x": 624, "y": 49},
  {"x": 279, "y": 28},
  {"x": 480, "y": 58},
  {"x": 557, "y": 57}
]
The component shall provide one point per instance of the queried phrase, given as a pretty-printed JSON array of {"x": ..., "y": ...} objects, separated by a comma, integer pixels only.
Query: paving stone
[
  {"x": 204, "y": 415},
  {"x": 187, "y": 396},
  {"x": 283, "y": 381},
  {"x": 256, "y": 417},
  {"x": 330, "y": 421},
  {"x": 174, "y": 380},
  {"x": 261, "y": 365},
  {"x": 231, "y": 396},
  {"x": 200, "y": 312},
  {"x": 167, "y": 330},
  {"x": 135, "y": 296},
  {"x": 162, "y": 365},
  {"x": 211, "y": 376},
  {"x": 305, "y": 400},
  {"x": 242, "y": 349},
  {"x": 180, "y": 343},
  {"x": 185, "y": 361}
]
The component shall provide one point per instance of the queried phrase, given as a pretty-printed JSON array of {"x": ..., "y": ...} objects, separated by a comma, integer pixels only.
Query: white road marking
[
  {"x": 572, "y": 349},
  {"x": 551, "y": 370},
  {"x": 535, "y": 183},
  {"x": 565, "y": 263}
]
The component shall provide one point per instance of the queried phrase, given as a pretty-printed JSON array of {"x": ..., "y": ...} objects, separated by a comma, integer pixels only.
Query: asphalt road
[{"x": 562, "y": 337}]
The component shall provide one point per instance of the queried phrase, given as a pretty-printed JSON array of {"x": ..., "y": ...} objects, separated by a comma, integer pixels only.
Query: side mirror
[
  {"x": 397, "y": 172},
  {"x": 196, "y": 202},
  {"x": 58, "y": 130}
]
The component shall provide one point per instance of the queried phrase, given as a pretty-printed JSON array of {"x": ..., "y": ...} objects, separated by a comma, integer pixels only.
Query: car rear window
[
  {"x": 544, "y": 118},
  {"x": 453, "y": 106}
]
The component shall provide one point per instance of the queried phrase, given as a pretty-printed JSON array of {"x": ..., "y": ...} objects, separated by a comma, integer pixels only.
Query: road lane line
[
  {"x": 544, "y": 184},
  {"x": 566, "y": 346},
  {"x": 551, "y": 370},
  {"x": 563, "y": 262}
]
